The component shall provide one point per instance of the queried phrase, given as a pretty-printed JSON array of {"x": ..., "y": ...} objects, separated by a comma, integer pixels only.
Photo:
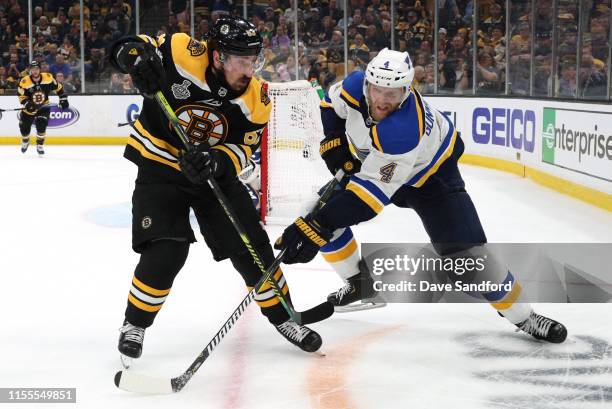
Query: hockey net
[{"x": 291, "y": 169}]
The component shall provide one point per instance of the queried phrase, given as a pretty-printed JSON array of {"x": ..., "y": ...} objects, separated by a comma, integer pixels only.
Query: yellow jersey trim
[
  {"x": 231, "y": 155},
  {"x": 434, "y": 168},
  {"x": 145, "y": 307},
  {"x": 134, "y": 143},
  {"x": 152, "y": 291},
  {"x": 365, "y": 196},
  {"x": 160, "y": 143}
]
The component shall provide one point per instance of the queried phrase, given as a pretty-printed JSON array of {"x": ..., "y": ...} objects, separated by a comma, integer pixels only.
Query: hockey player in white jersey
[{"x": 396, "y": 149}]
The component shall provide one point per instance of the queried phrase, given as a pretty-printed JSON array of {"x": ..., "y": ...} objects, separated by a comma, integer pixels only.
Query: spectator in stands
[
  {"x": 67, "y": 46},
  {"x": 487, "y": 74},
  {"x": 116, "y": 85},
  {"x": 567, "y": 82},
  {"x": 335, "y": 54},
  {"x": 178, "y": 8},
  {"x": 458, "y": 50},
  {"x": 359, "y": 54},
  {"x": 593, "y": 80},
  {"x": 495, "y": 19},
  {"x": 40, "y": 45},
  {"x": 52, "y": 51},
  {"x": 54, "y": 37},
  {"x": 419, "y": 78},
  {"x": 69, "y": 87},
  {"x": 43, "y": 27},
  {"x": 60, "y": 66},
  {"x": 127, "y": 85},
  {"x": 281, "y": 38}
]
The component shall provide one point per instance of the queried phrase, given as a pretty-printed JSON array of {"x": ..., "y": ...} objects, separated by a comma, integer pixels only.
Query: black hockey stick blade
[{"x": 318, "y": 313}]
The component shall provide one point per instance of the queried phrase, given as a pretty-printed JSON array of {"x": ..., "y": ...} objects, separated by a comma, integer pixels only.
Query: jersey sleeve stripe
[
  {"x": 372, "y": 188},
  {"x": 349, "y": 99},
  {"x": 375, "y": 140},
  {"x": 325, "y": 104},
  {"x": 420, "y": 112},
  {"x": 443, "y": 153},
  {"x": 231, "y": 155},
  {"x": 242, "y": 157},
  {"x": 161, "y": 144},
  {"x": 365, "y": 196},
  {"x": 136, "y": 144}
]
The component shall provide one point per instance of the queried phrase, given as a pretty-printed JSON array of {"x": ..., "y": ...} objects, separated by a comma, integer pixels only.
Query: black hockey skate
[
  {"x": 40, "y": 149},
  {"x": 357, "y": 288},
  {"x": 25, "y": 143},
  {"x": 300, "y": 336},
  {"x": 543, "y": 328},
  {"x": 131, "y": 338}
]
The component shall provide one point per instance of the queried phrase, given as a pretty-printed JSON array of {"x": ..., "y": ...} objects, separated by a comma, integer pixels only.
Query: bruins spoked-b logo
[
  {"x": 203, "y": 124},
  {"x": 38, "y": 97},
  {"x": 146, "y": 222},
  {"x": 196, "y": 48}
]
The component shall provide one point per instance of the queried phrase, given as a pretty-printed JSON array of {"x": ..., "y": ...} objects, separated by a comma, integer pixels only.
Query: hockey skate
[
  {"x": 131, "y": 338},
  {"x": 39, "y": 149},
  {"x": 543, "y": 328},
  {"x": 357, "y": 293},
  {"x": 25, "y": 143},
  {"x": 300, "y": 336}
]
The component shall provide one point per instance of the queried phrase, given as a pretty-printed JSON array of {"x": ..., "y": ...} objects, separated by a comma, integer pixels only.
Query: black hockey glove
[
  {"x": 63, "y": 102},
  {"x": 197, "y": 164},
  {"x": 144, "y": 64},
  {"x": 337, "y": 155},
  {"x": 302, "y": 239},
  {"x": 30, "y": 106}
]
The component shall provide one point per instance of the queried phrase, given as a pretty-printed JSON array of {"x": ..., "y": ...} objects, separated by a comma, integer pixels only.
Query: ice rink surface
[{"x": 66, "y": 266}]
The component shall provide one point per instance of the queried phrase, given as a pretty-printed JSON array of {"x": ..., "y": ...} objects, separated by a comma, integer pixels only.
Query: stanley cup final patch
[{"x": 181, "y": 91}]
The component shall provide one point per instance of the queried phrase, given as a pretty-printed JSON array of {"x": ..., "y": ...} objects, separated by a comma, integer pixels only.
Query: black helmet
[
  {"x": 34, "y": 64},
  {"x": 236, "y": 36}
]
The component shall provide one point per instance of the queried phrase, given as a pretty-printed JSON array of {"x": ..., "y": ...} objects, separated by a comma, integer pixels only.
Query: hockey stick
[
  {"x": 317, "y": 313},
  {"x": 22, "y": 108},
  {"x": 134, "y": 382}
]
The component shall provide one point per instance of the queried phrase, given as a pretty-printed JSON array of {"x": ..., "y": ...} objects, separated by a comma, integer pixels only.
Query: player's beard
[{"x": 241, "y": 84}]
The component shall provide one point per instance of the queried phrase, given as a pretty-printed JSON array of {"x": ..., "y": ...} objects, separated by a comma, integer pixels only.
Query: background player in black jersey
[
  {"x": 34, "y": 90},
  {"x": 223, "y": 110}
]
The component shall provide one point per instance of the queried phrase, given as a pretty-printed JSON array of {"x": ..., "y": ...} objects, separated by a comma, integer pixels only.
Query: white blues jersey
[{"x": 405, "y": 148}]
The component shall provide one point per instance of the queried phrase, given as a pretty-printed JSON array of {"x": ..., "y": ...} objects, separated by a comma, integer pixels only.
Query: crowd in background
[{"x": 321, "y": 28}]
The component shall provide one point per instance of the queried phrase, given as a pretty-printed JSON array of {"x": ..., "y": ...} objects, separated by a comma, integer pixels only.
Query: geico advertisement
[
  {"x": 579, "y": 141},
  {"x": 509, "y": 127}
]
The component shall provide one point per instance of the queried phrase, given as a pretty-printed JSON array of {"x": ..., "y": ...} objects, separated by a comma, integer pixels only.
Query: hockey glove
[
  {"x": 144, "y": 64},
  {"x": 197, "y": 164},
  {"x": 30, "y": 106},
  {"x": 302, "y": 239},
  {"x": 63, "y": 102},
  {"x": 337, "y": 155}
]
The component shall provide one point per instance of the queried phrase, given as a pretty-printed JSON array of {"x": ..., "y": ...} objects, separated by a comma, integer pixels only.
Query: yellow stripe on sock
[
  {"x": 510, "y": 299},
  {"x": 341, "y": 255},
  {"x": 153, "y": 291}
]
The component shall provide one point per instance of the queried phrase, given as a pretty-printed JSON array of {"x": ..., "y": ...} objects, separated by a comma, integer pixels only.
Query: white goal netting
[{"x": 292, "y": 170}]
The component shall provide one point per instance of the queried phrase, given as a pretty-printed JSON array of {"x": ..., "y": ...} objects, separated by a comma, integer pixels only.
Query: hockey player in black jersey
[
  {"x": 34, "y": 90},
  {"x": 223, "y": 109}
]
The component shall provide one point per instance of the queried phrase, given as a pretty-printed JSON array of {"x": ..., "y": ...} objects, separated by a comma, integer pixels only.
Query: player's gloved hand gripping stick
[{"x": 135, "y": 382}]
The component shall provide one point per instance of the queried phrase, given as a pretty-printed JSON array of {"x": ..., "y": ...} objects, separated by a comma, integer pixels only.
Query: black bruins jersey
[
  {"x": 232, "y": 124},
  {"x": 38, "y": 91}
]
